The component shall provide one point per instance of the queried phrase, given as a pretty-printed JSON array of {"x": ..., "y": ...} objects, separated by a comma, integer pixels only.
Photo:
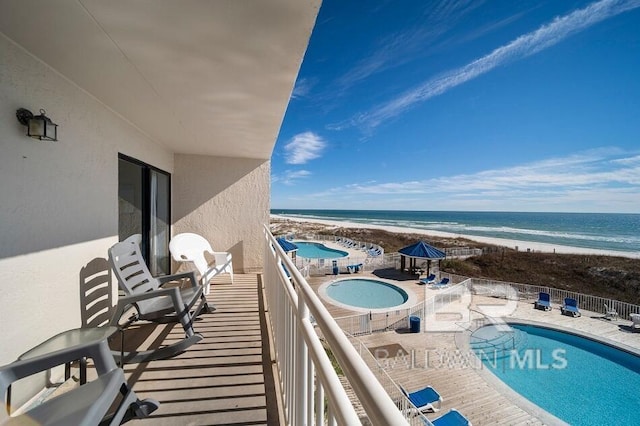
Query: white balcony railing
[{"x": 310, "y": 387}]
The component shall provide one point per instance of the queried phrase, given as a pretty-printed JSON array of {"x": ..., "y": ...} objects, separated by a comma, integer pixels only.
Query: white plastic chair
[
  {"x": 152, "y": 301},
  {"x": 610, "y": 312},
  {"x": 188, "y": 247},
  {"x": 106, "y": 400}
]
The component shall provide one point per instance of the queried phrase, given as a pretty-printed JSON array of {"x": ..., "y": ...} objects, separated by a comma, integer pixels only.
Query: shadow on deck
[{"x": 227, "y": 378}]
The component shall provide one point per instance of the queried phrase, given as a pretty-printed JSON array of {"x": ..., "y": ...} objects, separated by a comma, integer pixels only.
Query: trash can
[
  {"x": 335, "y": 267},
  {"x": 414, "y": 324}
]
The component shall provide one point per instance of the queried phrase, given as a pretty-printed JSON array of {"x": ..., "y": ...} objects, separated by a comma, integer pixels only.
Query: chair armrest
[
  {"x": 170, "y": 292},
  {"x": 167, "y": 278},
  {"x": 125, "y": 301},
  {"x": 222, "y": 257}
]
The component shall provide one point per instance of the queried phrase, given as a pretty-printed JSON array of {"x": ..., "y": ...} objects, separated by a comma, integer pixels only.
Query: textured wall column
[{"x": 226, "y": 200}]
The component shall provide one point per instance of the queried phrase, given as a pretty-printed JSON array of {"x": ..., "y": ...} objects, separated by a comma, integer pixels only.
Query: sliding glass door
[{"x": 144, "y": 207}]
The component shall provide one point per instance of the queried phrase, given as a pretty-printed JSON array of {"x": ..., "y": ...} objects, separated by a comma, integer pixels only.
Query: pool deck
[{"x": 474, "y": 391}]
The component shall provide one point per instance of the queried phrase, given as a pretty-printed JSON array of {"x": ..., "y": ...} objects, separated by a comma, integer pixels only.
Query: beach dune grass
[{"x": 604, "y": 276}]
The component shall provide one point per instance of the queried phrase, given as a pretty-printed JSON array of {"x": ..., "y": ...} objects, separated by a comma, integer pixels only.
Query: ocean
[{"x": 603, "y": 231}]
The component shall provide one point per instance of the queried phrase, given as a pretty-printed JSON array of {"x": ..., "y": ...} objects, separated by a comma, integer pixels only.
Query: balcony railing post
[
  {"x": 319, "y": 405},
  {"x": 302, "y": 358}
]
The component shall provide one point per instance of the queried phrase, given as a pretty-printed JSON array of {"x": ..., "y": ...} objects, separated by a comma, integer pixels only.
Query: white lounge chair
[
  {"x": 189, "y": 247},
  {"x": 635, "y": 318},
  {"x": 610, "y": 313}
]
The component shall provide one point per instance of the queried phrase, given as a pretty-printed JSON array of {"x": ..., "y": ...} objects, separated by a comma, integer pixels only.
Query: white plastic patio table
[
  {"x": 66, "y": 339},
  {"x": 69, "y": 338}
]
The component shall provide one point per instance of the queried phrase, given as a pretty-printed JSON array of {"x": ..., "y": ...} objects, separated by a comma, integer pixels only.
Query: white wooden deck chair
[
  {"x": 153, "y": 302},
  {"x": 89, "y": 404},
  {"x": 189, "y": 247}
]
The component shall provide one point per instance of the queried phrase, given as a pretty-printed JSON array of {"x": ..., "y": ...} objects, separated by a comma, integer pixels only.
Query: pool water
[
  {"x": 318, "y": 251},
  {"x": 364, "y": 293},
  {"x": 580, "y": 381}
]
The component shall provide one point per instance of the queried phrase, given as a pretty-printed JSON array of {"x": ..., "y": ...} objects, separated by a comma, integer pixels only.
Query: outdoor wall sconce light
[{"x": 38, "y": 126}]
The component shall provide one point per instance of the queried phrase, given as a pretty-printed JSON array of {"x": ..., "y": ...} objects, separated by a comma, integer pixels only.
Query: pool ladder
[{"x": 497, "y": 342}]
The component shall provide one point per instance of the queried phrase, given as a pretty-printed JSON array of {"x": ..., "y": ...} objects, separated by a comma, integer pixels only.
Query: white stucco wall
[
  {"x": 58, "y": 200},
  {"x": 226, "y": 200}
]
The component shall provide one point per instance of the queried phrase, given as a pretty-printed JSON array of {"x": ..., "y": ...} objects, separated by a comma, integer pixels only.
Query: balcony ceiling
[{"x": 210, "y": 77}]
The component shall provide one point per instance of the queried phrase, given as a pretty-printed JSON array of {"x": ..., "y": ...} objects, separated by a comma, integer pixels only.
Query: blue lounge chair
[
  {"x": 424, "y": 399},
  {"x": 428, "y": 280},
  {"x": 442, "y": 284},
  {"x": 452, "y": 418},
  {"x": 354, "y": 269},
  {"x": 543, "y": 302},
  {"x": 570, "y": 307}
]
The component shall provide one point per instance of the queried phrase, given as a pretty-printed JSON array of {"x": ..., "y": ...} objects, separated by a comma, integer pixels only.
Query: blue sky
[{"x": 465, "y": 105}]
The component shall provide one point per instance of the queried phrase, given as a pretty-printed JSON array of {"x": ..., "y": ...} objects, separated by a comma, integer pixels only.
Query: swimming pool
[
  {"x": 579, "y": 380},
  {"x": 364, "y": 294},
  {"x": 318, "y": 251}
]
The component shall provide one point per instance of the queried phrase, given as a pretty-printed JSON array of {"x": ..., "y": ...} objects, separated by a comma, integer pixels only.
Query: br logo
[{"x": 452, "y": 311}]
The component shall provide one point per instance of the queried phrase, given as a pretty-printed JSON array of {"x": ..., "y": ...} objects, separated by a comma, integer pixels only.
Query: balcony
[
  {"x": 261, "y": 360},
  {"x": 227, "y": 378}
]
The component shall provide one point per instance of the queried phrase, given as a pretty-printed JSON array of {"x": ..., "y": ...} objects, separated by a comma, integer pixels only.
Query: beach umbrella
[{"x": 420, "y": 250}]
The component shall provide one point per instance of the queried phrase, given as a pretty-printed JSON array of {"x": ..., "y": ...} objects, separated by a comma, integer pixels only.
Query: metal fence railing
[
  {"x": 528, "y": 291},
  {"x": 411, "y": 413},
  {"x": 372, "y": 322}
]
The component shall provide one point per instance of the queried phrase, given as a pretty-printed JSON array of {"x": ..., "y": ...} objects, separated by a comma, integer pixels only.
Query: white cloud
[
  {"x": 400, "y": 47},
  {"x": 304, "y": 147},
  {"x": 525, "y": 45},
  {"x": 290, "y": 177},
  {"x": 603, "y": 180},
  {"x": 302, "y": 88}
]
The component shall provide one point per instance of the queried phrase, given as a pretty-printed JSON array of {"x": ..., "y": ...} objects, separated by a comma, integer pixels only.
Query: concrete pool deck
[{"x": 475, "y": 392}]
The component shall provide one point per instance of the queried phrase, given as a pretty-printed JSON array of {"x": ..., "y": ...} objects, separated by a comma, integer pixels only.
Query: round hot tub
[{"x": 363, "y": 294}]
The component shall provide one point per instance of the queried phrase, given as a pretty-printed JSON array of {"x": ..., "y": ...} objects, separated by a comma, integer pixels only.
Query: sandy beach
[{"x": 513, "y": 244}]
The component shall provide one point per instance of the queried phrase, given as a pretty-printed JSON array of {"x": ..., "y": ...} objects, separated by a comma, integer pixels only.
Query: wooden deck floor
[{"x": 226, "y": 379}]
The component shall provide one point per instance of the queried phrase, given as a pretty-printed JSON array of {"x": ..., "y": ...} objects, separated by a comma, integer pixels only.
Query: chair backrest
[
  {"x": 130, "y": 268},
  {"x": 571, "y": 302},
  {"x": 546, "y": 297},
  {"x": 190, "y": 247}
]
